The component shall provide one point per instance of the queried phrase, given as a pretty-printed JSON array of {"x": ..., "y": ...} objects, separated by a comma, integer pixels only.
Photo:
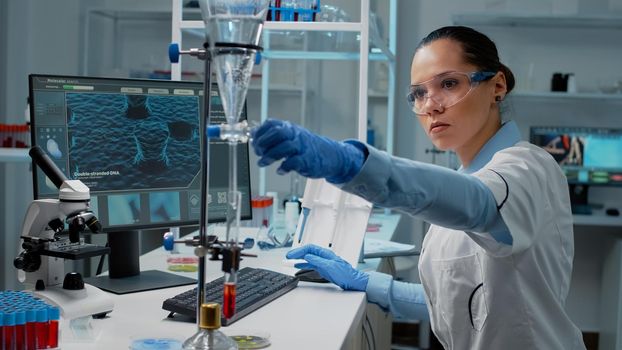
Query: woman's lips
[{"x": 438, "y": 127}]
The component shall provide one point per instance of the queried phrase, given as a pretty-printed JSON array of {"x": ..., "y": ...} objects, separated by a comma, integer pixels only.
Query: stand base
[
  {"x": 146, "y": 280},
  {"x": 73, "y": 304}
]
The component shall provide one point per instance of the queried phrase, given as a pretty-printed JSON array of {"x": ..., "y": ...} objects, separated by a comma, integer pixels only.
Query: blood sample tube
[
  {"x": 31, "y": 320},
  {"x": 11, "y": 133},
  {"x": 54, "y": 317},
  {"x": 9, "y": 330},
  {"x": 20, "y": 329},
  {"x": 41, "y": 328},
  {"x": 2, "y": 329},
  {"x": 3, "y": 135}
]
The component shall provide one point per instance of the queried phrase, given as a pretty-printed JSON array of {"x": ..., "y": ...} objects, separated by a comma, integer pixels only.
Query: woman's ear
[{"x": 501, "y": 87}]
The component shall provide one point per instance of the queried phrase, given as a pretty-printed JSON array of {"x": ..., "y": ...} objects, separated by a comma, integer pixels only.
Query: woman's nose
[{"x": 432, "y": 106}]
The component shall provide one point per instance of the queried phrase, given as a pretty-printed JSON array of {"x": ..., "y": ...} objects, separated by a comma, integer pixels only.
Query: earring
[{"x": 497, "y": 98}]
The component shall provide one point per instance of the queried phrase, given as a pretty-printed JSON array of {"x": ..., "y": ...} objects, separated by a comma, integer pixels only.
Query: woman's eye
[
  {"x": 449, "y": 83},
  {"x": 418, "y": 93}
]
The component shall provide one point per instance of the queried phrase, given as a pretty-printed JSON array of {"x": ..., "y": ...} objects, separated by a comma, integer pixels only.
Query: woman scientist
[{"x": 495, "y": 265}]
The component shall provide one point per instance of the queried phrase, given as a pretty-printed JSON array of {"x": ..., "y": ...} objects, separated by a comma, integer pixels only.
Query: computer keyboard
[
  {"x": 255, "y": 288},
  {"x": 581, "y": 209}
]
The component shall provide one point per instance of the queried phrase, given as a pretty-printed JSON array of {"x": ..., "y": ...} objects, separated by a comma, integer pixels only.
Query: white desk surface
[{"x": 312, "y": 316}]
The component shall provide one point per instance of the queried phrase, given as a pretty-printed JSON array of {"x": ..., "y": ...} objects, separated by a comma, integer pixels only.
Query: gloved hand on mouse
[
  {"x": 308, "y": 154},
  {"x": 330, "y": 266}
]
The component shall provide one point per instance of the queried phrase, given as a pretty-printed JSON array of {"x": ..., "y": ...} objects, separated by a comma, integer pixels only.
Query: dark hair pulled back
[{"x": 478, "y": 49}]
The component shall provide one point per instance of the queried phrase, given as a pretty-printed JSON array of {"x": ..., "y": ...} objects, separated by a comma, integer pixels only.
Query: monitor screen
[
  {"x": 136, "y": 145},
  {"x": 588, "y": 156}
]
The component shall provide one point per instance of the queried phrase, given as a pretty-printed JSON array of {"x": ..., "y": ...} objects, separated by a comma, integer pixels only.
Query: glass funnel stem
[
  {"x": 232, "y": 234},
  {"x": 233, "y": 198}
]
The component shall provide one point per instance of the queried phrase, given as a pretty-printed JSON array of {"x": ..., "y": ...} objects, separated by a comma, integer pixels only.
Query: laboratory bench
[{"x": 311, "y": 316}]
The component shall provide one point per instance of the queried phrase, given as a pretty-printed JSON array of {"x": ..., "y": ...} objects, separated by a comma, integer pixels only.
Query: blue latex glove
[
  {"x": 306, "y": 153},
  {"x": 330, "y": 266}
]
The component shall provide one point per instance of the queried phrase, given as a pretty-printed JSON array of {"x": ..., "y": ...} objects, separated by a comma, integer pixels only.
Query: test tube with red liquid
[
  {"x": 20, "y": 329},
  {"x": 41, "y": 328},
  {"x": 1, "y": 330},
  {"x": 9, "y": 331},
  {"x": 54, "y": 317},
  {"x": 31, "y": 333},
  {"x": 228, "y": 308}
]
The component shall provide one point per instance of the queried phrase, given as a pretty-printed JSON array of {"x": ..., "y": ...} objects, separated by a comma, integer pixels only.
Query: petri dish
[{"x": 250, "y": 339}]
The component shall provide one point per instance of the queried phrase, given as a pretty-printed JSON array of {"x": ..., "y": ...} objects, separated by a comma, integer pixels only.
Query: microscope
[{"x": 46, "y": 244}]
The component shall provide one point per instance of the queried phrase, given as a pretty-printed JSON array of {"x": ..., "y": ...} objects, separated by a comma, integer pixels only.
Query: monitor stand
[
  {"x": 578, "y": 199},
  {"x": 124, "y": 275}
]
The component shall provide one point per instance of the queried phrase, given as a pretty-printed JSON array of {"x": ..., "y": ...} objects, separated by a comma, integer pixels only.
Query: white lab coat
[{"x": 483, "y": 294}]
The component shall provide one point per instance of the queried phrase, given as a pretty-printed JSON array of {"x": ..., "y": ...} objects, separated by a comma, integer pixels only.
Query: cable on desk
[
  {"x": 366, "y": 337},
  {"x": 100, "y": 265},
  {"x": 392, "y": 268},
  {"x": 371, "y": 330}
]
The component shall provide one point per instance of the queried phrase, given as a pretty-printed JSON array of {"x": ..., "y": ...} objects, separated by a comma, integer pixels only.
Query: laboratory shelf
[
  {"x": 377, "y": 94},
  {"x": 371, "y": 47},
  {"x": 278, "y": 88},
  {"x": 314, "y": 26},
  {"x": 301, "y": 26},
  {"x": 539, "y": 21},
  {"x": 597, "y": 220},
  {"x": 18, "y": 155},
  {"x": 131, "y": 15},
  {"x": 197, "y": 23},
  {"x": 292, "y": 89},
  {"x": 320, "y": 55},
  {"x": 567, "y": 96},
  {"x": 191, "y": 25}
]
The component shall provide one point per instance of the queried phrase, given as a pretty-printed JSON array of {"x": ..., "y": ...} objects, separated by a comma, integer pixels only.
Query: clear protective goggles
[{"x": 444, "y": 90}]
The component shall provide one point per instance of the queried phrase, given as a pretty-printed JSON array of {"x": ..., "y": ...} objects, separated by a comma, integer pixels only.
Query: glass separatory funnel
[{"x": 233, "y": 29}]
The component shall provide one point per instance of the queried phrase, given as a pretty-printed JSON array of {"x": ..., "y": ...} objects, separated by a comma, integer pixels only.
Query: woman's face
[{"x": 470, "y": 122}]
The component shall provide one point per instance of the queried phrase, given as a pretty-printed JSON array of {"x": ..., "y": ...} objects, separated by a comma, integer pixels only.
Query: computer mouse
[
  {"x": 306, "y": 275},
  {"x": 612, "y": 212}
]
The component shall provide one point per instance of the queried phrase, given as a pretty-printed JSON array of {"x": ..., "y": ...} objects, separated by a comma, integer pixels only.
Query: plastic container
[
  {"x": 275, "y": 205},
  {"x": 571, "y": 83},
  {"x": 262, "y": 211},
  {"x": 292, "y": 213}
]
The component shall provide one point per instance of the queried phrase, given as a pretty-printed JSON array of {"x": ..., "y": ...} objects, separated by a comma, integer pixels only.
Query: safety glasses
[{"x": 444, "y": 90}]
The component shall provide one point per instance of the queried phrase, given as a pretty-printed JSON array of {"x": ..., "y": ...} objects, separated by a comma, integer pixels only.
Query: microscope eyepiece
[
  {"x": 47, "y": 165},
  {"x": 28, "y": 261}
]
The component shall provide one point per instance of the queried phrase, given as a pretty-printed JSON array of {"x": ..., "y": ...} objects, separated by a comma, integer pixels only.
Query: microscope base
[{"x": 73, "y": 304}]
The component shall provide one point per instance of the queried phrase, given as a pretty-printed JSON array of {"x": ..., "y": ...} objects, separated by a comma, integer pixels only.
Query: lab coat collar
[{"x": 506, "y": 137}]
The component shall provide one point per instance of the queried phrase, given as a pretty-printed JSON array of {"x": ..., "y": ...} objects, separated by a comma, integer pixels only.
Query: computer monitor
[
  {"x": 136, "y": 145},
  {"x": 588, "y": 157}
]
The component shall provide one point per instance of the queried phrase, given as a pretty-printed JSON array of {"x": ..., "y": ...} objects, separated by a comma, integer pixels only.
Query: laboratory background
[{"x": 565, "y": 55}]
